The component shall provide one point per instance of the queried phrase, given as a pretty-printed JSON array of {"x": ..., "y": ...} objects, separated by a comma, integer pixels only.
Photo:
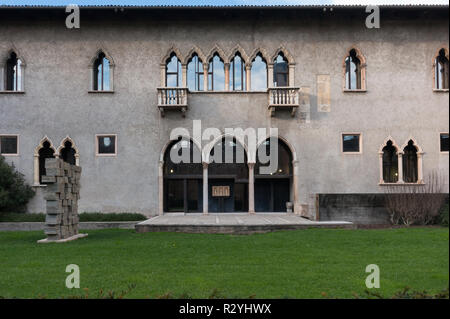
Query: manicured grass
[
  {"x": 295, "y": 264},
  {"x": 84, "y": 217}
]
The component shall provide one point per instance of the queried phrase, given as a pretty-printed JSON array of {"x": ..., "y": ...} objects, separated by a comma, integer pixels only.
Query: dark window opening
[
  {"x": 107, "y": 144},
  {"x": 273, "y": 190},
  {"x": 410, "y": 168},
  {"x": 67, "y": 153},
  {"x": 281, "y": 71},
  {"x": 228, "y": 158},
  {"x": 183, "y": 177},
  {"x": 441, "y": 72},
  {"x": 195, "y": 74},
  {"x": 173, "y": 71},
  {"x": 390, "y": 163},
  {"x": 444, "y": 142},
  {"x": 13, "y": 73},
  {"x": 101, "y": 73},
  {"x": 351, "y": 143},
  {"x": 352, "y": 71},
  {"x": 8, "y": 145},
  {"x": 45, "y": 152}
]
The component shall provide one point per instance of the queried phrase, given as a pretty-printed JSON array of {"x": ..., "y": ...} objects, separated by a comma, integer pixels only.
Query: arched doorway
[
  {"x": 228, "y": 177},
  {"x": 182, "y": 174},
  {"x": 273, "y": 190}
]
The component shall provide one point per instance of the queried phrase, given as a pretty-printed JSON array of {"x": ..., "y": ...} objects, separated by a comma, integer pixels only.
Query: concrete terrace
[{"x": 233, "y": 223}]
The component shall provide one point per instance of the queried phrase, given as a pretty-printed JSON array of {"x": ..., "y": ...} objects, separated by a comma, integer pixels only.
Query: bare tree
[{"x": 416, "y": 204}]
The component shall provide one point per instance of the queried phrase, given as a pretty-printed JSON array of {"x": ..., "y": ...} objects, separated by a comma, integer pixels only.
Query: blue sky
[{"x": 216, "y": 2}]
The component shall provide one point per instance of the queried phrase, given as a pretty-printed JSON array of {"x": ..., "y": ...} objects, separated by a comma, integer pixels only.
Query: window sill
[
  {"x": 38, "y": 185},
  {"x": 402, "y": 184},
  {"x": 440, "y": 90},
  {"x": 228, "y": 92},
  {"x": 351, "y": 153},
  {"x": 10, "y": 155},
  {"x": 355, "y": 91},
  {"x": 100, "y": 92},
  {"x": 105, "y": 155},
  {"x": 12, "y": 92}
]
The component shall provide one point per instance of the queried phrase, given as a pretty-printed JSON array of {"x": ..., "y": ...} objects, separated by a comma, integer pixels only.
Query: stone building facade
[{"x": 356, "y": 108}]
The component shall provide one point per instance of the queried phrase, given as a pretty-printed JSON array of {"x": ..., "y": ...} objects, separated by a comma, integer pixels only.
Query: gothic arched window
[
  {"x": 390, "y": 163},
  {"x": 237, "y": 73},
  {"x": 259, "y": 73},
  {"x": 173, "y": 71},
  {"x": 353, "y": 73},
  {"x": 280, "y": 71},
  {"x": 14, "y": 73},
  {"x": 216, "y": 74},
  {"x": 101, "y": 73},
  {"x": 441, "y": 71},
  {"x": 195, "y": 75}
]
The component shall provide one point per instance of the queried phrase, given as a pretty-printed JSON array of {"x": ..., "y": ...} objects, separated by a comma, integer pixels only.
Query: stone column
[
  {"x": 227, "y": 76},
  {"x": 36, "y": 170},
  {"x": 205, "y": 188},
  {"x": 400, "y": 167},
  {"x": 161, "y": 188},
  {"x": 419, "y": 168},
  {"x": 248, "y": 77},
  {"x": 205, "y": 76},
  {"x": 296, "y": 203},
  {"x": 251, "y": 188},
  {"x": 163, "y": 74},
  {"x": 291, "y": 74},
  {"x": 270, "y": 75},
  {"x": 184, "y": 75},
  {"x": 380, "y": 154},
  {"x": 77, "y": 159}
]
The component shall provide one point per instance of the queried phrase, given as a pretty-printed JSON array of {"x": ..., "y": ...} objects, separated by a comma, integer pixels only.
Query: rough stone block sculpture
[{"x": 62, "y": 194}]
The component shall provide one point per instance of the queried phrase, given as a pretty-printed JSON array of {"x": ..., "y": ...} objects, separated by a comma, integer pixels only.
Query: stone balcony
[
  {"x": 283, "y": 98},
  {"x": 172, "y": 99}
]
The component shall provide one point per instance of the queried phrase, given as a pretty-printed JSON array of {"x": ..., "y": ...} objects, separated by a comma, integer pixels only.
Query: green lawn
[{"x": 295, "y": 264}]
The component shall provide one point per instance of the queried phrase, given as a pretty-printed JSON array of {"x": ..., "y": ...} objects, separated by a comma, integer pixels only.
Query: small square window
[
  {"x": 351, "y": 143},
  {"x": 106, "y": 145},
  {"x": 9, "y": 145},
  {"x": 444, "y": 142}
]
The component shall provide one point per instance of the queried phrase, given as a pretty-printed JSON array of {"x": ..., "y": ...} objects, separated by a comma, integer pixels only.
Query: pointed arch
[
  {"x": 412, "y": 162},
  {"x": 73, "y": 146},
  {"x": 386, "y": 140},
  {"x": 99, "y": 51},
  {"x": 45, "y": 149},
  {"x": 282, "y": 50},
  {"x": 390, "y": 161},
  {"x": 359, "y": 55},
  {"x": 12, "y": 71},
  {"x": 172, "y": 51},
  {"x": 101, "y": 67},
  {"x": 259, "y": 51},
  {"x": 441, "y": 69},
  {"x": 414, "y": 143},
  {"x": 354, "y": 70},
  {"x": 216, "y": 50},
  {"x": 195, "y": 70},
  {"x": 41, "y": 145},
  {"x": 241, "y": 51},
  {"x": 194, "y": 50}
]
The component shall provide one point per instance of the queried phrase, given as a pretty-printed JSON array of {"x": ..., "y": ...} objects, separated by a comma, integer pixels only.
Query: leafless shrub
[{"x": 416, "y": 204}]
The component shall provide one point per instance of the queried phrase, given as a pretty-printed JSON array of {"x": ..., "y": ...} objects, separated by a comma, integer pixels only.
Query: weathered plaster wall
[{"x": 399, "y": 100}]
